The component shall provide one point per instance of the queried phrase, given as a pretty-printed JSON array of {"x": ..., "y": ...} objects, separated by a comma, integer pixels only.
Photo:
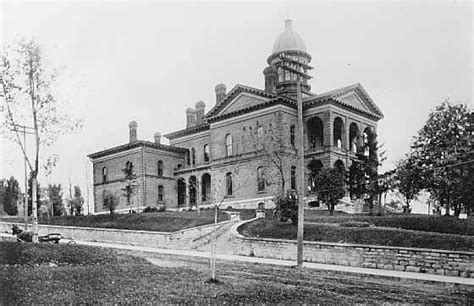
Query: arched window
[
  {"x": 228, "y": 181},
  {"x": 206, "y": 153},
  {"x": 104, "y": 175},
  {"x": 128, "y": 166},
  {"x": 292, "y": 134},
  {"x": 280, "y": 75},
  {"x": 260, "y": 179},
  {"x": 193, "y": 156},
  {"x": 228, "y": 145},
  {"x": 160, "y": 193},
  {"x": 293, "y": 178},
  {"x": 160, "y": 168}
]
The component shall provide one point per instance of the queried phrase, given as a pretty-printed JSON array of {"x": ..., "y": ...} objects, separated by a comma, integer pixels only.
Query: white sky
[{"x": 149, "y": 61}]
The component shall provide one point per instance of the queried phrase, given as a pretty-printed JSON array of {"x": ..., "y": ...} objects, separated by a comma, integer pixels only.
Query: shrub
[
  {"x": 287, "y": 205},
  {"x": 149, "y": 209},
  {"x": 161, "y": 208}
]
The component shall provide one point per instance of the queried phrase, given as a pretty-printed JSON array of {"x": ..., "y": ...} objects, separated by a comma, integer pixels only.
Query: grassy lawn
[
  {"x": 158, "y": 221},
  {"x": 428, "y": 223},
  {"x": 122, "y": 278},
  {"x": 359, "y": 235}
]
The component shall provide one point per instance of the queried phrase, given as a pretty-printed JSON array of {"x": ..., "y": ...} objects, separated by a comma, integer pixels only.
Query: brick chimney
[
  {"x": 132, "y": 127},
  {"x": 200, "y": 108},
  {"x": 190, "y": 117},
  {"x": 220, "y": 92},
  {"x": 271, "y": 77},
  {"x": 157, "y": 137}
]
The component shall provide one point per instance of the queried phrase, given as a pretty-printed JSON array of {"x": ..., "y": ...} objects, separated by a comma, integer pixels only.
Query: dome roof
[{"x": 289, "y": 40}]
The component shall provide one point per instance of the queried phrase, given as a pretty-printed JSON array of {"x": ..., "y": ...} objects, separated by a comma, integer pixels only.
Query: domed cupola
[
  {"x": 292, "y": 46},
  {"x": 289, "y": 40}
]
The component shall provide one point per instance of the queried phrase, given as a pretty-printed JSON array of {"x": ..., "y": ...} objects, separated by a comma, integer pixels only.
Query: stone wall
[
  {"x": 175, "y": 240},
  {"x": 441, "y": 262}
]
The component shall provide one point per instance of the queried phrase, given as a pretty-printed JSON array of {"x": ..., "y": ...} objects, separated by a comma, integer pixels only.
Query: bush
[
  {"x": 149, "y": 209},
  {"x": 287, "y": 205}
]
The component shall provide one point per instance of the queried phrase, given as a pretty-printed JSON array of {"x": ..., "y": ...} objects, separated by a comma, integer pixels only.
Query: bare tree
[
  {"x": 30, "y": 97},
  {"x": 266, "y": 143}
]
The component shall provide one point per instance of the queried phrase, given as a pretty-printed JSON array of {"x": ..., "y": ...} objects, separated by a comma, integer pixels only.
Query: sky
[{"x": 148, "y": 61}]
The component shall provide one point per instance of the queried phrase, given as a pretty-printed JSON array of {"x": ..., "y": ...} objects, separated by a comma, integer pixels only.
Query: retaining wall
[
  {"x": 175, "y": 240},
  {"x": 442, "y": 262}
]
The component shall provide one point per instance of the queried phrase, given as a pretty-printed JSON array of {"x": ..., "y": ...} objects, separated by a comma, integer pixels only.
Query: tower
[{"x": 290, "y": 45}]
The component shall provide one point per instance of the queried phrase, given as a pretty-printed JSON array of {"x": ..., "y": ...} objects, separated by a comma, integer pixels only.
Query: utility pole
[
  {"x": 296, "y": 67},
  {"x": 25, "y": 130}
]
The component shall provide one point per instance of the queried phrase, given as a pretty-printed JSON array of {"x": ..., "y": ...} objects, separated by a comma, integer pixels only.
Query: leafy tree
[
  {"x": 363, "y": 177},
  {"x": 408, "y": 180},
  {"x": 111, "y": 201},
  {"x": 287, "y": 205},
  {"x": 443, "y": 152},
  {"x": 130, "y": 185},
  {"x": 55, "y": 196},
  {"x": 75, "y": 202},
  {"x": 330, "y": 186},
  {"x": 11, "y": 196},
  {"x": 30, "y": 97}
]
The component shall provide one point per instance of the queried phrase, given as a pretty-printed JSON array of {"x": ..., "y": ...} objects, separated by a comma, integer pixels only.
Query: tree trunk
[{"x": 34, "y": 211}]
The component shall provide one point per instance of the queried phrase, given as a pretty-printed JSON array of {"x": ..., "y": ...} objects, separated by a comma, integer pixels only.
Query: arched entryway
[
  {"x": 181, "y": 192},
  {"x": 314, "y": 168},
  {"x": 339, "y": 165},
  {"x": 206, "y": 187},
  {"x": 338, "y": 132},
  {"x": 354, "y": 137},
  {"x": 315, "y": 133},
  {"x": 192, "y": 190},
  {"x": 368, "y": 138}
]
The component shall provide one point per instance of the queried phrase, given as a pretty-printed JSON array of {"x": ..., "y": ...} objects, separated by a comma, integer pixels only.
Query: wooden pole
[{"x": 300, "y": 178}]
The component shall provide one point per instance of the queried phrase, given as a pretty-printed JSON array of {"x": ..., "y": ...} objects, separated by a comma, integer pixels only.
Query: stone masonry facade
[{"x": 242, "y": 151}]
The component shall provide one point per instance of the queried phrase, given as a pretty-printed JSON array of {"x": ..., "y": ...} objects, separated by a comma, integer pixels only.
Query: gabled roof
[
  {"x": 133, "y": 145},
  {"x": 353, "y": 97},
  {"x": 187, "y": 131},
  {"x": 234, "y": 92}
]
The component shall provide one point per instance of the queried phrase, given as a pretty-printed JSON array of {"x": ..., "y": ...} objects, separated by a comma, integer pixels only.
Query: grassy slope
[
  {"x": 428, "y": 223},
  {"x": 160, "y": 221},
  {"x": 124, "y": 279},
  {"x": 364, "y": 235}
]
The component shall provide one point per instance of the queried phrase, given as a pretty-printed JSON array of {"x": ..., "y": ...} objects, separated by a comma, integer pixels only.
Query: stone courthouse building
[{"x": 242, "y": 150}]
